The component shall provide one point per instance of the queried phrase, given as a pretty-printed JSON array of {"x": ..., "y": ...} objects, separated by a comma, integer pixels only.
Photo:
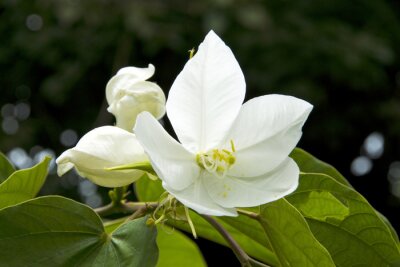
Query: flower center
[{"x": 217, "y": 161}]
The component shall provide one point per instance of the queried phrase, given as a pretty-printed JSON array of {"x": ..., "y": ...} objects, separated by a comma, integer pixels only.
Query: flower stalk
[{"x": 244, "y": 259}]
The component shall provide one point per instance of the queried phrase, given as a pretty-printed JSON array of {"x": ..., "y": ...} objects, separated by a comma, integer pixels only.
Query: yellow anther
[
  {"x": 217, "y": 161},
  {"x": 233, "y": 146},
  {"x": 191, "y": 52}
]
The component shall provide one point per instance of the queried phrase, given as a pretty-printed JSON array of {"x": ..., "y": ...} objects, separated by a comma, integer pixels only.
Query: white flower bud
[
  {"x": 128, "y": 93},
  {"x": 103, "y": 148}
]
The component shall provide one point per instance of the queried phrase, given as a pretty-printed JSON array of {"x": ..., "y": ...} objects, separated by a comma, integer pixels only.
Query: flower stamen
[{"x": 217, "y": 161}]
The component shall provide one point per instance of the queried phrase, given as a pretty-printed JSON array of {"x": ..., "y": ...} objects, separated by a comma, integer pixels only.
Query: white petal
[
  {"x": 140, "y": 73},
  {"x": 63, "y": 166},
  {"x": 93, "y": 169},
  {"x": 252, "y": 191},
  {"x": 206, "y": 96},
  {"x": 124, "y": 78},
  {"x": 173, "y": 163},
  {"x": 197, "y": 198},
  {"x": 102, "y": 148},
  {"x": 113, "y": 145},
  {"x": 265, "y": 132}
]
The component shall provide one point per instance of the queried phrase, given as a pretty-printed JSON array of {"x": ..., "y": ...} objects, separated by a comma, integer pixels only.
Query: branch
[
  {"x": 137, "y": 214},
  {"x": 242, "y": 256},
  {"x": 250, "y": 214},
  {"x": 128, "y": 207}
]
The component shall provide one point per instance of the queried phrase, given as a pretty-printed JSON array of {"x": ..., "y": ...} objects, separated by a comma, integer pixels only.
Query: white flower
[
  {"x": 102, "y": 148},
  {"x": 230, "y": 155},
  {"x": 128, "y": 93}
]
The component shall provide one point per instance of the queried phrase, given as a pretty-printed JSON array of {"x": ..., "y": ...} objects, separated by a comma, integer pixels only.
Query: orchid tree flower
[
  {"x": 128, "y": 93},
  {"x": 100, "y": 150},
  {"x": 230, "y": 155}
]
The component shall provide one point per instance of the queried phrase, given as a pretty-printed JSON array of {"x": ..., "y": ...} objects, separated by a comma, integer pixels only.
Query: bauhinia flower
[
  {"x": 230, "y": 155},
  {"x": 101, "y": 149},
  {"x": 128, "y": 93}
]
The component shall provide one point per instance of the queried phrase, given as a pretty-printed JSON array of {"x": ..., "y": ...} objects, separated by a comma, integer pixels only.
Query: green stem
[
  {"x": 120, "y": 193},
  {"x": 139, "y": 213},
  {"x": 250, "y": 214},
  {"x": 125, "y": 208},
  {"x": 242, "y": 256}
]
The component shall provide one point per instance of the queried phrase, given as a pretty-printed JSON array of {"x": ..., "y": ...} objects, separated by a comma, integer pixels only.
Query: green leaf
[
  {"x": 255, "y": 247},
  {"x": 6, "y": 168},
  {"x": 148, "y": 189},
  {"x": 245, "y": 231},
  {"x": 390, "y": 226},
  {"x": 310, "y": 164},
  {"x": 177, "y": 250},
  {"x": 111, "y": 226},
  {"x": 359, "y": 238},
  {"x": 322, "y": 206},
  {"x": 290, "y": 236},
  {"x": 56, "y": 231},
  {"x": 23, "y": 184}
]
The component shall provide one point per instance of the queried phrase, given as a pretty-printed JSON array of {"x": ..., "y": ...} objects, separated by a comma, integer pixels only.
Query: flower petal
[
  {"x": 206, "y": 96},
  {"x": 265, "y": 132},
  {"x": 196, "y": 197},
  {"x": 126, "y": 77},
  {"x": 63, "y": 166},
  {"x": 173, "y": 163},
  {"x": 103, "y": 148},
  {"x": 113, "y": 145},
  {"x": 141, "y": 73},
  {"x": 93, "y": 169},
  {"x": 252, "y": 191}
]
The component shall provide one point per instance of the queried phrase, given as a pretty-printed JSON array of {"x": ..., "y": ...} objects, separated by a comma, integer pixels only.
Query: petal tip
[{"x": 213, "y": 37}]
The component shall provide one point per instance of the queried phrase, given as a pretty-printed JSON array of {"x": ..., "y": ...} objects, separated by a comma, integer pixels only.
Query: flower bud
[
  {"x": 101, "y": 149},
  {"x": 128, "y": 93}
]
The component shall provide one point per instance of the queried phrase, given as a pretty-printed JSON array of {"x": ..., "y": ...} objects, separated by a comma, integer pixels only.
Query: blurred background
[{"x": 342, "y": 56}]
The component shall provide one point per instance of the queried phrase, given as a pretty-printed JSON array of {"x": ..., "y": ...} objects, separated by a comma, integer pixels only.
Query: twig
[
  {"x": 242, "y": 256},
  {"x": 125, "y": 208},
  {"x": 137, "y": 214},
  {"x": 250, "y": 214}
]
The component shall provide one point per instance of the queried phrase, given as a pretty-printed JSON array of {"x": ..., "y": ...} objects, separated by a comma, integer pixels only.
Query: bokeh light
[
  {"x": 374, "y": 145},
  {"x": 20, "y": 158},
  {"x": 68, "y": 138},
  {"x": 361, "y": 166},
  {"x": 34, "y": 22},
  {"x": 88, "y": 192},
  {"x": 22, "y": 111},
  {"x": 10, "y": 125},
  {"x": 394, "y": 178}
]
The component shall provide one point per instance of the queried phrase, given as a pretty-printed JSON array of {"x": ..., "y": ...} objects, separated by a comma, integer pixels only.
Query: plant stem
[
  {"x": 137, "y": 214},
  {"x": 119, "y": 194},
  {"x": 250, "y": 214},
  {"x": 242, "y": 256},
  {"x": 128, "y": 207}
]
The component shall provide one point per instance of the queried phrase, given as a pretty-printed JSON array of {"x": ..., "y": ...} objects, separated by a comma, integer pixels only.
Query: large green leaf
[
  {"x": 6, "y": 168},
  {"x": 345, "y": 224},
  {"x": 56, "y": 231},
  {"x": 310, "y": 164},
  {"x": 23, "y": 184},
  {"x": 177, "y": 250},
  {"x": 290, "y": 236},
  {"x": 248, "y": 233}
]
